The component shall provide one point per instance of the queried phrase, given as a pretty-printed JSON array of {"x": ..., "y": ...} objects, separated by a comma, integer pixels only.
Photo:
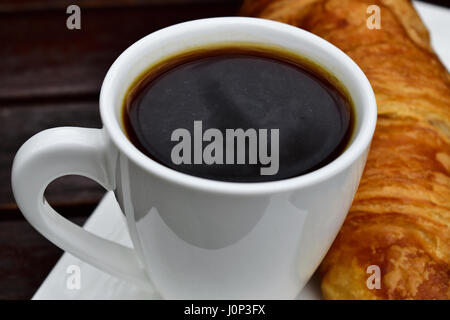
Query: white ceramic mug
[{"x": 193, "y": 237}]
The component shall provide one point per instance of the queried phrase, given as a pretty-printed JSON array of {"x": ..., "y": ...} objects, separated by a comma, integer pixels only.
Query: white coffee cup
[{"x": 196, "y": 238}]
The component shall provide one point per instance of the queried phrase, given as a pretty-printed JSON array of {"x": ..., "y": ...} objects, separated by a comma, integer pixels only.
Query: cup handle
[{"x": 54, "y": 153}]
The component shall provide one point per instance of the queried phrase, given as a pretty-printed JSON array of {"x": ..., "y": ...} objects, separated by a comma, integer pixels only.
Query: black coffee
[{"x": 294, "y": 119}]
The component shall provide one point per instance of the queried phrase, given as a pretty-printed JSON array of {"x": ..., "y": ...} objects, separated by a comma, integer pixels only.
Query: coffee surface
[{"x": 235, "y": 88}]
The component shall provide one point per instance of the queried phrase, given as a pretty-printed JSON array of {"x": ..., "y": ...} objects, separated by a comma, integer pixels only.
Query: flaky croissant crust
[{"x": 400, "y": 218}]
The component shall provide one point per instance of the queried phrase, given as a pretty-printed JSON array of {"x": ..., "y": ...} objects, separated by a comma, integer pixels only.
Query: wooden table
[{"x": 50, "y": 76}]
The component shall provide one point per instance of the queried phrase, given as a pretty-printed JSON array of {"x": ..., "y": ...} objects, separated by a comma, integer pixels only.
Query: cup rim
[{"x": 357, "y": 147}]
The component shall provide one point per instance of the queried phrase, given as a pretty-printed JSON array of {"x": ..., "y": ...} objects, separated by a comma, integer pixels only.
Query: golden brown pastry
[{"x": 400, "y": 218}]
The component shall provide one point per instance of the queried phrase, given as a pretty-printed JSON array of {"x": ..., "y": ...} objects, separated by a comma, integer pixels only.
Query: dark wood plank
[
  {"x": 70, "y": 211},
  {"x": 28, "y": 5},
  {"x": 26, "y": 258},
  {"x": 21, "y": 122},
  {"x": 40, "y": 57}
]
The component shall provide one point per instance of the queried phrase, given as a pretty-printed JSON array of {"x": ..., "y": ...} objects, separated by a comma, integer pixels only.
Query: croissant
[{"x": 400, "y": 217}]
